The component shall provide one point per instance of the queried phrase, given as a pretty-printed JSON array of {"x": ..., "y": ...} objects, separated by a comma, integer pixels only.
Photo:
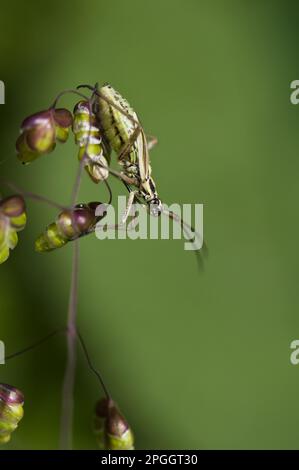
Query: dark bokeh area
[{"x": 194, "y": 361}]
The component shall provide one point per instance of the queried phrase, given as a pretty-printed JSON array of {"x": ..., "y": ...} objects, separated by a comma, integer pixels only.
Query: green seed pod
[
  {"x": 12, "y": 219},
  {"x": 70, "y": 225},
  {"x": 40, "y": 131},
  {"x": 63, "y": 123},
  {"x": 88, "y": 137},
  {"x": 111, "y": 429},
  {"x": 11, "y": 411}
]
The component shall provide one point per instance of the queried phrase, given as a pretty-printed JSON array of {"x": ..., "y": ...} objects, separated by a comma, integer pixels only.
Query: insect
[
  {"x": 70, "y": 225},
  {"x": 103, "y": 122},
  {"x": 11, "y": 411},
  {"x": 123, "y": 132}
]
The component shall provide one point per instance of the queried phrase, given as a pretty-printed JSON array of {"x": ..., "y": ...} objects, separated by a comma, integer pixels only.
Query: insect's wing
[{"x": 142, "y": 150}]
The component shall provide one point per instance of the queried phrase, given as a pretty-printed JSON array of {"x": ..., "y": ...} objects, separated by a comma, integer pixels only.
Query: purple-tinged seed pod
[
  {"x": 10, "y": 394},
  {"x": 41, "y": 131},
  {"x": 69, "y": 225},
  {"x": 11, "y": 411},
  {"x": 83, "y": 217},
  {"x": 63, "y": 123},
  {"x": 13, "y": 206},
  {"x": 63, "y": 117},
  {"x": 41, "y": 118},
  {"x": 111, "y": 428},
  {"x": 12, "y": 220}
]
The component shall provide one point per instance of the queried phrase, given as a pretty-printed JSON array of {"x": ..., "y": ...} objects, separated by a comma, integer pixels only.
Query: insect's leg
[
  {"x": 84, "y": 85},
  {"x": 122, "y": 224},
  {"x": 127, "y": 146},
  {"x": 109, "y": 191},
  {"x": 188, "y": 229},
  {"x": 121, "y": 176},
  {"x": 65, "y": 92},
  {"x": 151, "y": 141},
  {"x": 130, "y": 203}
]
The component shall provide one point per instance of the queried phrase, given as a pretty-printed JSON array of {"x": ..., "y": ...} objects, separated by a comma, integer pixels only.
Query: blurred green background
[{"x": 194, "y": 361}]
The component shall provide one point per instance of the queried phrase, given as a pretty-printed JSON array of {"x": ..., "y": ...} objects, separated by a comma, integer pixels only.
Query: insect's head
[{"x": 156, "y": 207}]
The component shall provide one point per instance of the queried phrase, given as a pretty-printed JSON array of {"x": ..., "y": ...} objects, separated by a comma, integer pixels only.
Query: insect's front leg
[
  {"x": 122, "y": 224},
  {"x": 130, "y": 203}
]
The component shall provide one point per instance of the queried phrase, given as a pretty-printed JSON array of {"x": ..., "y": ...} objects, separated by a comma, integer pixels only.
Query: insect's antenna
[
  {"x": 89, "y": 87},
  {"x": 187, "y": 229},
  {"x": 33, "y": 196},
  {"x": 36, "y": 344},
  {"x": 109, "y": 191},
  {"x": 66, "y": 92},
  {"x": 91, "y": 366}
]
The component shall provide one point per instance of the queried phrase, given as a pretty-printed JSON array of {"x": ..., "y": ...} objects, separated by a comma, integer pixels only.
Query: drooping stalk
[
  {"x": 66, "y": 426},
  {"x": 33, "y": 196},
  {"x": 91, "y": 366},
  {"x": 34, "y": 345}
]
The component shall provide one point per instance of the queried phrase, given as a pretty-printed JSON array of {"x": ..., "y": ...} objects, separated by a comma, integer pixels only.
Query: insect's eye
[{"x": 155, "y": 207}]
